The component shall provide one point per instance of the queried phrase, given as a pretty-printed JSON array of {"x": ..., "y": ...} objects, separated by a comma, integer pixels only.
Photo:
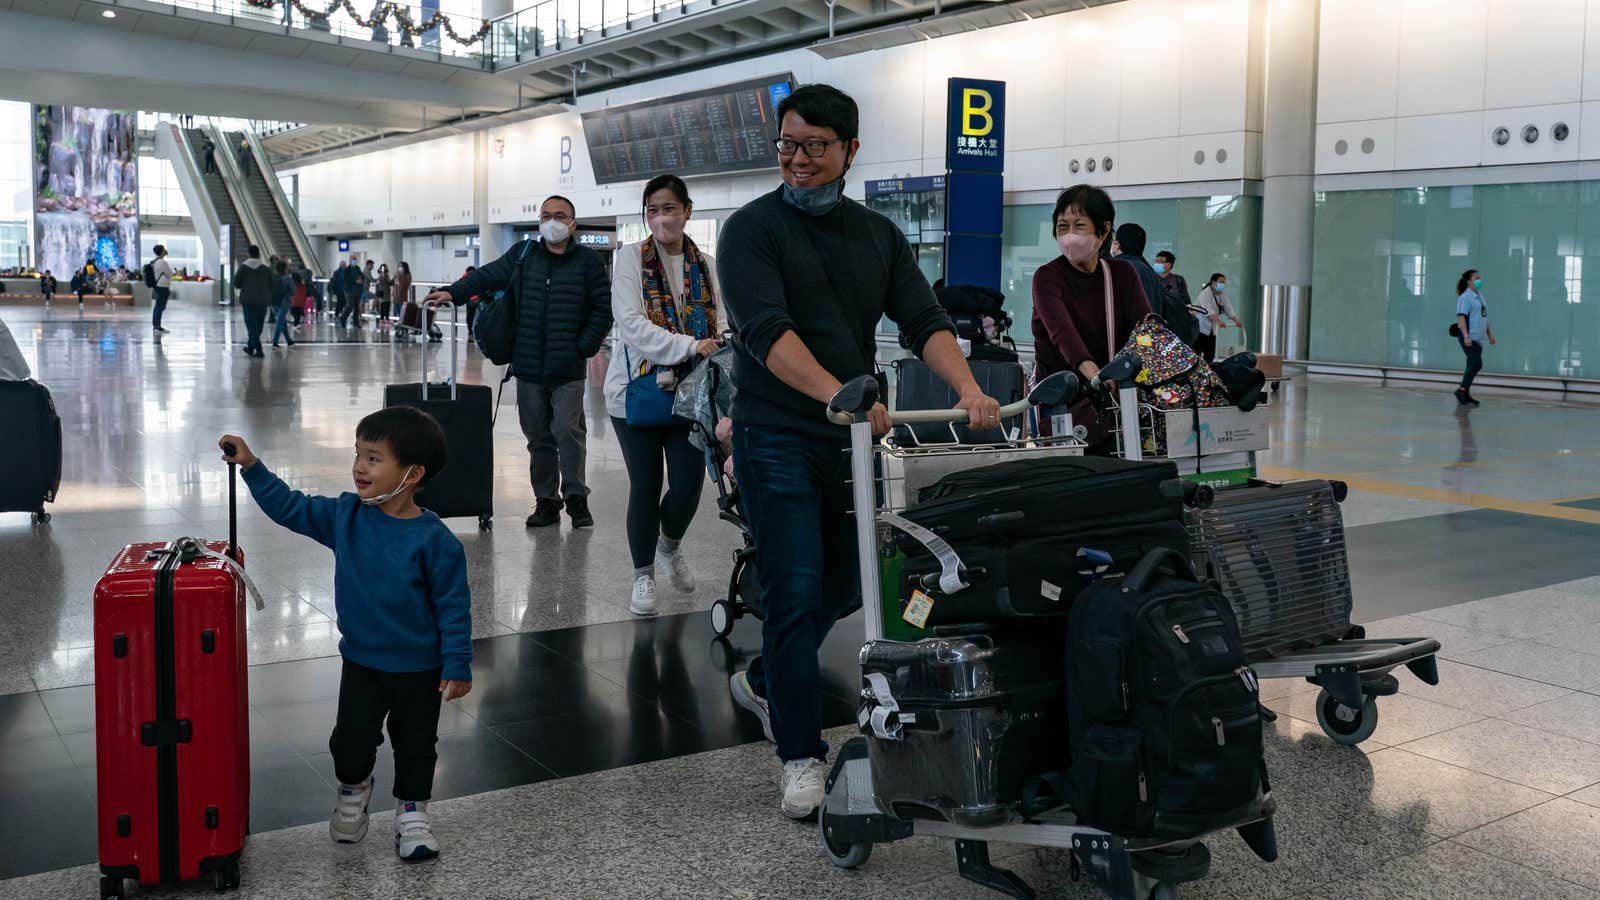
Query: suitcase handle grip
[
  {"x": 233, "y": 500},
  {"x": 1161, "y": 559}
]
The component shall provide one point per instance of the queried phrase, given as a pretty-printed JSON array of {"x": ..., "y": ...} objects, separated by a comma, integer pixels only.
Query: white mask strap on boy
[{"x": 385, "y": 498}]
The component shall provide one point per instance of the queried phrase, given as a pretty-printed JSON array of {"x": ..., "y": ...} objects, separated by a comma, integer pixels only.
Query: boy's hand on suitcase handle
[
  {"x": 235, "y": 450},
  {"x": 454, "y": 689}
]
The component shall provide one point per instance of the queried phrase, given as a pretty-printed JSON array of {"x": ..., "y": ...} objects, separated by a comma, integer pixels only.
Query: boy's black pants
[{"x": 410, "y": 701}]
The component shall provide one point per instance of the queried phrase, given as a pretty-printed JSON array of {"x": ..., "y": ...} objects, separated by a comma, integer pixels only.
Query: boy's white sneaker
[
  {"x": 802, "y": 788},
  {"x": 643, "y": 602},
  {"x": 413, "y": 832},
  {"x": 349, "y": 822},
  {"x": 674, "y": 567}
]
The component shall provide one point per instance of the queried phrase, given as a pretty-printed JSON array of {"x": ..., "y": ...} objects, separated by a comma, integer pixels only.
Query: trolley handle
[{"x": 855, "y": 398}]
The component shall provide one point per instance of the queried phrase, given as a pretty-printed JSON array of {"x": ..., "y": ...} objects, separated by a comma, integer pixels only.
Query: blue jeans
[
  {"x": 254, "y": 318},
  {"x": 281, "y": 312},
  {"x": 161, "y": 296},
  {"x": 797, "y": 501},
  {"x": 1474, "y": 362}
]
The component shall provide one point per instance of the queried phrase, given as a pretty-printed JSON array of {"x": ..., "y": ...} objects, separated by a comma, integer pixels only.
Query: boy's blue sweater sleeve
[
  {"x": 313, "y": 517},
  {"x": 452, "y": 603}
]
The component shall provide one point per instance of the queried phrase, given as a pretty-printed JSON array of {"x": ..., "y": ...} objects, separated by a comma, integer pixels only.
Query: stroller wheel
[{"x": 722, "y": 618}]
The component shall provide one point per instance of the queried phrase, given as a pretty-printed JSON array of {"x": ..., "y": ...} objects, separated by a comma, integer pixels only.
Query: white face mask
[
  {"x": 555, "y": 231},
  {"x": 385, "y": 498},
  {"x": 1078, "y": 248}
]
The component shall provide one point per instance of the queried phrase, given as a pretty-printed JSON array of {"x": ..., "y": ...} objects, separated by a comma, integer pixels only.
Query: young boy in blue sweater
[{"x": 405, "y": 615}]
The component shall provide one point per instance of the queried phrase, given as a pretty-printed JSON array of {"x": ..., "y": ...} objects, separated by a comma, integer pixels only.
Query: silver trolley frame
[
  {"x": 852, "y": 819},
  {"x": 1352, "y": 672}
]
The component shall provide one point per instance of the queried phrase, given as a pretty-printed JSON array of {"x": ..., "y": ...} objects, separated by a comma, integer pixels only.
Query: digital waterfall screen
[{"x": 86, "y": 189}]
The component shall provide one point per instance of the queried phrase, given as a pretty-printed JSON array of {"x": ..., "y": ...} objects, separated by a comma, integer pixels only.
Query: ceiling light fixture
[{"x": 108, "y": 13}]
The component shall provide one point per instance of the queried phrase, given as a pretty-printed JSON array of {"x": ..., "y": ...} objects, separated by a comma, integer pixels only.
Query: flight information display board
[{"x": 725, "y": 129}]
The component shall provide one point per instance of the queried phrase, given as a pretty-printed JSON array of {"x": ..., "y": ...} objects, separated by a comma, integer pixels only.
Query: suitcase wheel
[
  {"x": 41, "y": 518},
  {"x": 1342, "y": 723},
  {"x": 485, "y": 522},
  {"x": 112, "y": 888}
]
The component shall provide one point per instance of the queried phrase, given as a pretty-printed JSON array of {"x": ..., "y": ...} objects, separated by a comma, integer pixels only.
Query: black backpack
[
  {"x": 1162, "y": 707},
  {"x": 495, "y": 327},
  {"x": 149, "y": 274}
]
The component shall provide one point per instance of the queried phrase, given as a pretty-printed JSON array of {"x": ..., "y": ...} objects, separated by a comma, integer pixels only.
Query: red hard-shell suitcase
[{"x": 172, "y": 741}]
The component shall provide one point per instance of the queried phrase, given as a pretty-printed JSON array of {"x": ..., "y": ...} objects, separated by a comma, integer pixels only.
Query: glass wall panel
[
  {"x": 1583, "y": 348},
  {"x": 1527, "y": 233},
  {"x": 1350, "y": 276}
]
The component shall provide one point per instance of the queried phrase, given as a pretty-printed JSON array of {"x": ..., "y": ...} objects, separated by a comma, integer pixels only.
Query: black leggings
[{"x": 649, "y": 513}]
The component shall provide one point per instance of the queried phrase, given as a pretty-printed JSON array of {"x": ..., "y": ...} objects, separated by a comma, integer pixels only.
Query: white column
[
  {"x": 493, "y": 240},
  {"x": 390, "y": 248},
  {"x": 1288, "y": 164}
]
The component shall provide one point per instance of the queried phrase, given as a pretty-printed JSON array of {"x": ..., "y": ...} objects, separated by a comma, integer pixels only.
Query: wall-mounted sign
[
  {"x": 344, "y": 246},
  {"x": 905, "y": 185},
  {"x": 975, "y": 139},
  {"x": 599, "y": 240},
  {"x": 462, "y": 254}
]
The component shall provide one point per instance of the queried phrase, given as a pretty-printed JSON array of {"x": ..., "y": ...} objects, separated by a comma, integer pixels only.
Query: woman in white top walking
[
  {"x": 1210, "y": 307},
  {"x": 664, "y": 303}
]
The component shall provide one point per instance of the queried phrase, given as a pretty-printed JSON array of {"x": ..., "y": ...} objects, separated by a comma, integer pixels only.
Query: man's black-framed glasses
[{"x": 813, "y": 149}]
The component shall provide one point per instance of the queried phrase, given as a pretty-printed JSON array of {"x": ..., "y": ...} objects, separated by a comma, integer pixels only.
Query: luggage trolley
[
  {"x": 853, "y": 818},
  {"x": 1278, "y": 551}
]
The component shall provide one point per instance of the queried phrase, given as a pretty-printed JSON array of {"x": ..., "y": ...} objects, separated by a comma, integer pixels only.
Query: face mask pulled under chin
[
  {"x": 385, "y": 498},
  {"x": 814, "y": 201},
  {"x": 1078, "y": 248},
  {"x": 555, "y": 231}
]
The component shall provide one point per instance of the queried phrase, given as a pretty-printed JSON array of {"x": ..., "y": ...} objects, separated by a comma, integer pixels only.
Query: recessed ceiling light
[{"x": 109, "y": 13}]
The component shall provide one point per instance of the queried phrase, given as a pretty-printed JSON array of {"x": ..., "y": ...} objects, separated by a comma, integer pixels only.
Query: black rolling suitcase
[
  {"x": 959, "y": 723},
  {"x": 917, "y": 387},
  {"x": 1278, "y": 551},
  {"x": 466, "y": 413},
  {"x": 1032, "y": 534},
  {"x": 30, "y": 456}
]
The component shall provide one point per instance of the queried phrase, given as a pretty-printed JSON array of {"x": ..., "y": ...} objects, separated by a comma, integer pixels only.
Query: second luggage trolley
[
  {"x": 1278, "y": 551},
  {"x": 853, "y": 817}
]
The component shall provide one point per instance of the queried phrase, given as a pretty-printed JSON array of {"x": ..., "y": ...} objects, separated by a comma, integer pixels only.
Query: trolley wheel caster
[
  {"x": 486, "y": 523},
  {"x": 1346, "y": 725},
  {"x": 1164, "y": 891},
  {"x": 41, "y": 518},
  {"x": 219, "y": 880},
  {"x": 721, "y": 618},
  {"x": 112, "y": 888},
  {"x": 848, "y": 856}
]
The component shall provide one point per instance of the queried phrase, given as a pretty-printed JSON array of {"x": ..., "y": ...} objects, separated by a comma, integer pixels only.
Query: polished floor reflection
[{"x": 600, "y": 756}]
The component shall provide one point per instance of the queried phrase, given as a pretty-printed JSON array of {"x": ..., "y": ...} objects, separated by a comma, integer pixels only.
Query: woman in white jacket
[{"x": 664, "y": 302}]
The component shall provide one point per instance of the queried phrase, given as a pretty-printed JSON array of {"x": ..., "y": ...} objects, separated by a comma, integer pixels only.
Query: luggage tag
[
  {"x": 1096, "y": 564},
  {"x": 950, "y": 581},
  {"x": 918, "y": 610}
]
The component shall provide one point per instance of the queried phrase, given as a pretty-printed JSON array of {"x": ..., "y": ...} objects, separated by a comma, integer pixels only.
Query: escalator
[
  {"x": 280, "y": 232},
  {"x": 217, "y": 190}
]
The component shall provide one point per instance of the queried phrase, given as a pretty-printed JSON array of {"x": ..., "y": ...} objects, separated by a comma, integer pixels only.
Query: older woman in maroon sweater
[{"x": 1069, "y": 306}]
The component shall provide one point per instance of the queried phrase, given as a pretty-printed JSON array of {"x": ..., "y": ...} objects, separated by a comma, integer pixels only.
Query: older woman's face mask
[{"x": 1075, "y": 235}]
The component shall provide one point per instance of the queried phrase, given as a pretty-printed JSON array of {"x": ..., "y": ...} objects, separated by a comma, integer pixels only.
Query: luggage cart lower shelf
[
  {"x": 851, "y": 822},
  {"x": 1353, "y": 673}
]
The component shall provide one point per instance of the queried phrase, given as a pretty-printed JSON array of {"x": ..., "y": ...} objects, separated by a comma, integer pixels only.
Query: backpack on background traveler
[
  {"x": 150, "y": 274},
  {"x": 495, "y": 328},
  {"x": 1163, "y": 708},
  {"x": 980, "y": 318}
]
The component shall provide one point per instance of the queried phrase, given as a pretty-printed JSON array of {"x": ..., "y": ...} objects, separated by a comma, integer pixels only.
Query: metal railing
[
  {"x": 341, "y": 24},
  {"x": 552, "y": 26}
]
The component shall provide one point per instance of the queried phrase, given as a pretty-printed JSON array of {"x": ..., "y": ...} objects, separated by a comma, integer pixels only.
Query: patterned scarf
[{"x": 700, "y": 300}]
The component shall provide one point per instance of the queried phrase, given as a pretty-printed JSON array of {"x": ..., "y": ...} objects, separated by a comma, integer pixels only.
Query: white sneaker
[
  {"x": 349, "y": 822},
  {"x": 644, "y": 596},
  {"x": 802, "y": 788},
  {"x": 413, "y": 833},
  {"x": 676, "y": 568},
  {"x": 745, "y": 696}
]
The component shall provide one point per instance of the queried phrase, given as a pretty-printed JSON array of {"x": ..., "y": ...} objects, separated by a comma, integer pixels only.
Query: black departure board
[{"x": 725, "y": 129}]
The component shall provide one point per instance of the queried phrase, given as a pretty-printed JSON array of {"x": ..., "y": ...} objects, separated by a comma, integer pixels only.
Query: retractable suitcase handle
[{"x": 455, "y": 320}]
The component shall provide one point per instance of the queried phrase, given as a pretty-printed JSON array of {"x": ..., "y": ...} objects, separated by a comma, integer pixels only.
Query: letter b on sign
[
  {"x": 566, "y": 154},
  {"x": 976, "y": 118}
]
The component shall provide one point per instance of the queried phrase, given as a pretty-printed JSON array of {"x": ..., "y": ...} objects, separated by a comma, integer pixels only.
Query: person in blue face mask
[
  {"x": 1213, "y": 307},
  {"x": 806, "y": 274},
  {"x": 1471, "y": 330}
]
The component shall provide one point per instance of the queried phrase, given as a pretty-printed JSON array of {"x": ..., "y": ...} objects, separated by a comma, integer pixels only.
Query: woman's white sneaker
[
  {"x": 674, "y": 567},
  {"x": 413, "y": 832},
  {"x": 643, "y": 602},
  {"x": 802, "y": 788},
  {"x": 349, "y": 822}
]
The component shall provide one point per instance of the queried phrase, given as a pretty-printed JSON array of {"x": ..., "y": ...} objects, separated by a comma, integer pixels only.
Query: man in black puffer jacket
[{"x": 564, "y": 313}]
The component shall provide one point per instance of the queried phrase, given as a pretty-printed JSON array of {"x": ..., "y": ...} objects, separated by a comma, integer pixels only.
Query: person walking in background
[
  {"x": 368, "y": 293},
  {"x": 161, "y": 291},
  {"x": 336, "y": 283},
  {"x": 47, "y": 286},
  {"x": 1213, "y": 305},
  {"x": 299, "y": 303},
  {"x": 380, "y": 290},
  {"x": 1471, "y": 330},
  {"x": 355, "y": 289},
  {"x": 1070, "y": 327},
  {"x": 401, "y": 290},
  {"x": 252, "y": 280},
  {"x": 245, "y": 159},
  {"x": 664, "y": 302},
  {"x": 208, "y": 151},
  {"x": 1174, "y": 288},
  {"x": 282, "y": 296},
  {"x": 1127, "y": 244},
  {"x": 563, "y": 315}
]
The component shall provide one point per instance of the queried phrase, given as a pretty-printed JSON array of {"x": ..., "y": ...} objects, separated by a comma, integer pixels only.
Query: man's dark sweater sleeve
[
  {"x": 487, "y": 279},
  {"x": 911, "y": 303},
  {"x": 751, "y": 281},
  {"x": 597, "y": 321}
]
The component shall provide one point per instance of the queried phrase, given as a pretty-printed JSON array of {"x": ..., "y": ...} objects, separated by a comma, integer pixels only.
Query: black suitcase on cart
[
  {"x": 30, "y": 456},
  {"x": 1032, "y": 534},
  {"x": 917, "y": 387},
  {"x": 1278, "y": 551},
  {"x": 958, "y": 723},
  {"x": 466, "y": 413}
]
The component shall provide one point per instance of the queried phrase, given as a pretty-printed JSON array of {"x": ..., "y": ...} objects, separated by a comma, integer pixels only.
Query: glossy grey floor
[{"x": 1474, "y": 530}]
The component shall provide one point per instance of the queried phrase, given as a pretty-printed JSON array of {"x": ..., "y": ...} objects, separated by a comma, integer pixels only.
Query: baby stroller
[{"x": 705, "y": 398}]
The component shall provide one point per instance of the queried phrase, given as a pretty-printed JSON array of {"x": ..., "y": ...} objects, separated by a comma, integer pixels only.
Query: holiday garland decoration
[{"x": 381, "y": 14}]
